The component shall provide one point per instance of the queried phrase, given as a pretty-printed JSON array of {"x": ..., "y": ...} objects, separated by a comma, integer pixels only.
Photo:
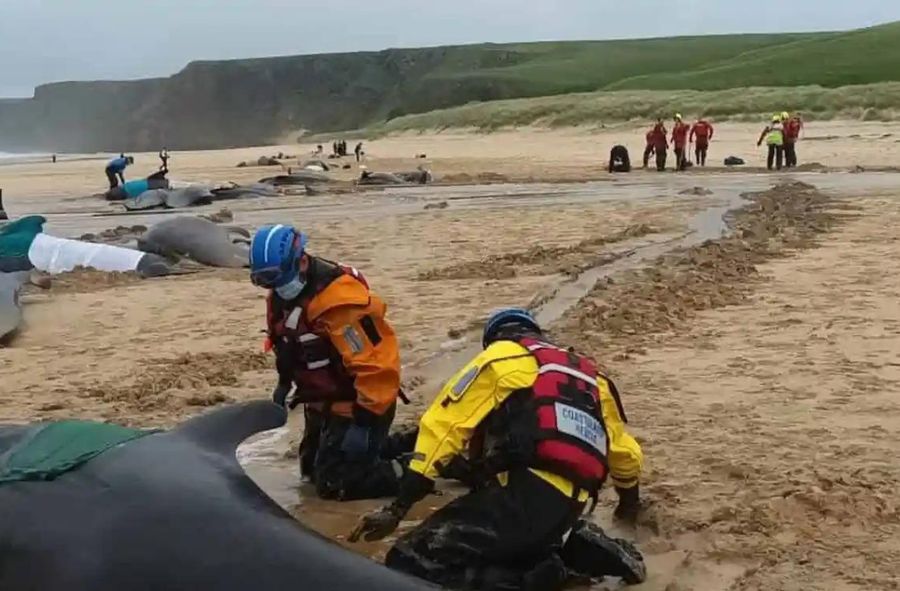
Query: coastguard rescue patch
[
  {"x": 581, "y": 425},
  {"x": 353, "y": 339}
]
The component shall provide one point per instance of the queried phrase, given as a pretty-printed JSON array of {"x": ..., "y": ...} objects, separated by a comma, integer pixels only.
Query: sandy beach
[{"x": 759, "y": 370}]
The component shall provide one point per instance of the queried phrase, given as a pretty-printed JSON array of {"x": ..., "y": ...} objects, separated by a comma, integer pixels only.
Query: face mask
[{"x": 291, "y": 289}]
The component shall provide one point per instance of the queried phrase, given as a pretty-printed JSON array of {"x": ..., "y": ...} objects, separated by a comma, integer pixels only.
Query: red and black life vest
[
  {"x": 570, "y": 436},
  {"x": 554, "y": 425},
  {"x": 303, "y": 355}
]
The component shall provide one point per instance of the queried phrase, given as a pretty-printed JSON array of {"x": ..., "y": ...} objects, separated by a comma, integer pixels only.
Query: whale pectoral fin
[
  {"x": 238, "y": 230},
  {"x": 222, "y": 430}
]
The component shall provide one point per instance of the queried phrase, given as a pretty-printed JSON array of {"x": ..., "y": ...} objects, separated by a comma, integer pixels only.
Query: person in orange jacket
[
  {"x": 336, "y": 353},
  {"x": 702, "y": 131},
  {"x": 680, "y": 140}
]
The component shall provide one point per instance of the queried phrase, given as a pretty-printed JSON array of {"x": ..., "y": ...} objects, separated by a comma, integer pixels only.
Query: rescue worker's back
[{"x": 482, "y": 387}]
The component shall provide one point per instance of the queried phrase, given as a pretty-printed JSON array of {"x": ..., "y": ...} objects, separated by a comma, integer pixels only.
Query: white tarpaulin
[{"x": 58, "y": 255}]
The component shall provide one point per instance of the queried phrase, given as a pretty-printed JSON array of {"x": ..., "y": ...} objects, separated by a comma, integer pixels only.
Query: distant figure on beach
[
  {"x": 115, "y": 169},
  {"x": 680, "y": 140},
  {"x": 53, "y": 159},
  {"x": 334, "y": 149},
  {"x": 164, "y": 158},
  {"x": 703, "y": 132},
  {"x": 793, "y": 125},
  {"x": 358, "y": 151},
  {"x": 773, "y": 134},
  {"x": 648, "y": 148},
  {"x": 660, "y": 143}
]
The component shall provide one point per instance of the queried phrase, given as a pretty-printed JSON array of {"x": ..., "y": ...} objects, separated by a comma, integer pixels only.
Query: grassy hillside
[
  {"x": 491, "y": 72},
  {"x": 870, "y": 102},
  {"x": 856, "y": 57},
  {"x": 217, "y": 104}
]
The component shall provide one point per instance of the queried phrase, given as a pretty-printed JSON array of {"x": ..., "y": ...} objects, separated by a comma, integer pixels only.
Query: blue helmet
[
  {"x": 505, "y": 317},
  {"x": 274, "y": 252}
]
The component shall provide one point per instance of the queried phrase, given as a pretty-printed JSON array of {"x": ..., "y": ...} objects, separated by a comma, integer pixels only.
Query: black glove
[
  {"x": 280, "y": 393},
  {"x": 378, "y": 524},
  {"x": 629, "y": 504}
]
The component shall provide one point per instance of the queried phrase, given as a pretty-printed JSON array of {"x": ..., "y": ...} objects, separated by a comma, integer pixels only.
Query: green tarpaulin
[{"x": 46, "y": 451}]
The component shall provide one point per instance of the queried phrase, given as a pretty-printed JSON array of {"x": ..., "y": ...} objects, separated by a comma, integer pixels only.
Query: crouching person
[{"x": 535, "y": 430}]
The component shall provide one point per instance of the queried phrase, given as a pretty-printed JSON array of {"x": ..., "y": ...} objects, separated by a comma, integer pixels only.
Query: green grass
[
  {"x": 870, "y": 102},
  {"x": 863, "y": 56}
]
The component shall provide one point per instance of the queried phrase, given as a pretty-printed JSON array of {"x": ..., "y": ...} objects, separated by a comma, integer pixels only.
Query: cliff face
[
  {"x": 225, "y": 104},
  {"x": 244, "y": 102}
]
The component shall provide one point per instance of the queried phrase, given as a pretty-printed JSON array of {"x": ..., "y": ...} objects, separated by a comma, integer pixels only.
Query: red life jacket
[
  {"x": 304, "y": 355},
  {"x": 680, "y": 134},
  {"x": 792, "y": 129},
  {"x": 701, "y": 130},
  {"x": 569, "y": 435},
  {"x": 658, "y": 135}
]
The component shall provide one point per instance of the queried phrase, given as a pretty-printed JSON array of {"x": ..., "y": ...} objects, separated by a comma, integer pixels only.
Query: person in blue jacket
[{"x": 115, "y": 169}]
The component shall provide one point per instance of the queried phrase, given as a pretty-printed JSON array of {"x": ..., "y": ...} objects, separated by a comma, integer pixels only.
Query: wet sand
[{"x": 759, "y": 372}]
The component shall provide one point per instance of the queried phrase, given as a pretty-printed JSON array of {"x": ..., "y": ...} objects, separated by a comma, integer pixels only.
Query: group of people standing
[
  {"x": 683, "y": 135},
  {"x": 339, "y": 148},
  {"x": 533, "y": 429},
  {"x": 781, "y": 137}
]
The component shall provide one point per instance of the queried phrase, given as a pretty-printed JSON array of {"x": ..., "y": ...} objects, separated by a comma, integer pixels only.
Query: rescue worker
[
  {"x": 680, "y": 140},
  {"x": 702, "y": 132},
  {"x": 336, "y": 351},
  {"x": 660, "y": 144},
  {"x": 793, "y": 125},
  {"x": 619, "y": 161},
  {"x": 648, "y": 149},
  {"x": 115, "y": 170},
  {"x": 774, "y": 136},
  {"x": 535, "y": 431}
]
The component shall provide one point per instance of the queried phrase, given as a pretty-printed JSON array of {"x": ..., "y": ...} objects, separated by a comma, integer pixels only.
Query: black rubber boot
[
  {"x": 629, "y": 504},
  {"x": 590, "y": 552}
]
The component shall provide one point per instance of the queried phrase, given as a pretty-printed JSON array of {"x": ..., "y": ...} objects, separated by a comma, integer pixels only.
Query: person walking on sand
[
  {"x": 773, "y": 134},
  {"x": 680, "y": 140},
  {"x": 793, "y": 125},
  {"x": 115, "y": 169},
  {"x": 358, "y": 151},
  {"x": 648, "y": 148},
  {"x": 660, "y": 144},
  {"x": 702, "y": 131}
]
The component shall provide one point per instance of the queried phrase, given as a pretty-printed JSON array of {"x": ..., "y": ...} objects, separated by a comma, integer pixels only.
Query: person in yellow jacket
[
  {"x": 535, "y": 430},
  {"x": 773, "y": 134},
  {"x": 336, "y": 354}
]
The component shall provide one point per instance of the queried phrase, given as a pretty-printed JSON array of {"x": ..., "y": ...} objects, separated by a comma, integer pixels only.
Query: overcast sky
[{"x": 52, "y": 40}]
